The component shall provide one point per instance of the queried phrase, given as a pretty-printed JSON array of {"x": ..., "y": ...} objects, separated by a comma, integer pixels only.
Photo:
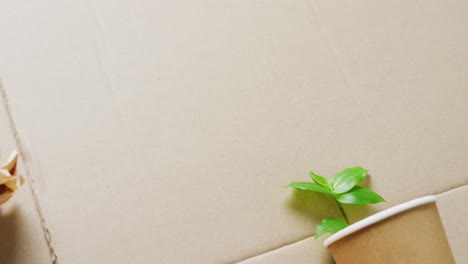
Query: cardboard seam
[
  {"x": 451, "y": 189},
  {"x": 276, "y": 248},
  {"x": 19, "y": 144}
]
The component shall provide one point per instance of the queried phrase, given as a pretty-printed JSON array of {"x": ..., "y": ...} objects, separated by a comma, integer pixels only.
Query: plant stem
[{"x": 343, "y": 212}]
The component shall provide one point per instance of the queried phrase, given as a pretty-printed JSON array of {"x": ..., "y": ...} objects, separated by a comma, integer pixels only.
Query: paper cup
[{"x": 411, "y": 232}]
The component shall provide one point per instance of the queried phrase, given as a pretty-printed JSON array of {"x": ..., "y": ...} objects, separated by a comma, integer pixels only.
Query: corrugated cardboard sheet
[{"x": 162, "y": 131}]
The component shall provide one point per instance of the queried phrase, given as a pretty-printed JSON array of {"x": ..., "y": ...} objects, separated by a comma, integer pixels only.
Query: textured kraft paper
[
  {"x": 415, "y": 236},
  {"x": 161, "y": 131}
]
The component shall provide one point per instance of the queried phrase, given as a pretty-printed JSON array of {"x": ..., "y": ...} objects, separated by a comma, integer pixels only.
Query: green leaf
[
  {"x": 329, "y": 225},
  {"x": 309, "y": 186},
  {"x": 360, "y": 195},
  {"x": 319, "y": 179},
  {"x": 347, "y": 179}
]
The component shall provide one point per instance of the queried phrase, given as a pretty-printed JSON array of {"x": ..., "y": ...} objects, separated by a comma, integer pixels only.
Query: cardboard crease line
[{"x": 29, "y": 178}]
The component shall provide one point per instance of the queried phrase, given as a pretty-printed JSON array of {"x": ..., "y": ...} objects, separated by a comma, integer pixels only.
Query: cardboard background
[{"x": 162, "y": 131}]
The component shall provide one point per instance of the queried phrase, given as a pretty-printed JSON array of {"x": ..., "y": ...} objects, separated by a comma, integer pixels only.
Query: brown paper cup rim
[{"x": 378, "y": 217}]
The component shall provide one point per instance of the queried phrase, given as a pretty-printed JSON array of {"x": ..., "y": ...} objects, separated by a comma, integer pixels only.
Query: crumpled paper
[{"x": 10, "y": 181}]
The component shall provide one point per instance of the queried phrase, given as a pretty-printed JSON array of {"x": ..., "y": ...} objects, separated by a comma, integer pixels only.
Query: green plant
[{"x": 343, "y": 189}]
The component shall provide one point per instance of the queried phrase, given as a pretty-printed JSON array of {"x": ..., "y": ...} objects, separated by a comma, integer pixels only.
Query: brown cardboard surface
[
  {"x": 381, "y": 42},
  {"x": 454, "y": 212},
  {"x": 163, "y": 130},
  {"x": 305, "y": 251},
  {"x": 21, "y": 236}
]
